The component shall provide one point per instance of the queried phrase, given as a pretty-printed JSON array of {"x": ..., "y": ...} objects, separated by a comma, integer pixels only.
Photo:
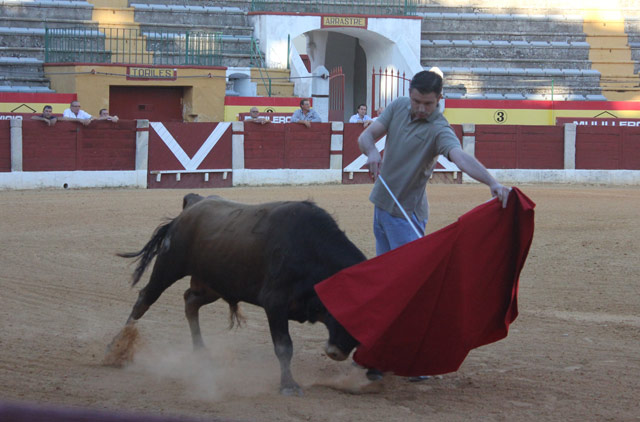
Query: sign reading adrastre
[
  {"x": 344, "y": 21},
  {"x": 147, "y": 73}
]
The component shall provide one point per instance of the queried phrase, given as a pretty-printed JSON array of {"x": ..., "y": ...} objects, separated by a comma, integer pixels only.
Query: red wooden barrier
[
  {"x": 70, "y": 146},
  {"x": 264, "y": 146},
  {"x": 520, "y": 147},
  {"x": 104, "y": 145},
  {"x": 5, "y": 146},
  {"x": 351, "y": 152},
  {"x": 607, "y": 148},
  {"x": 181, "y": 153},
  {"x": 307, "y": 148},
  {"x": 288, "y": 146}
]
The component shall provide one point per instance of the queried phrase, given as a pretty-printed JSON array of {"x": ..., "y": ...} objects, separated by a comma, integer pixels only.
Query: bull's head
[{"x": 340, "y": 343}]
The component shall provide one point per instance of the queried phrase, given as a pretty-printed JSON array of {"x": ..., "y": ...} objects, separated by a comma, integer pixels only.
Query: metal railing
[
  {"x": 257, "y": 61},
  {"x": 350, "y": 7},
  {"x": 131, "y": 46}
]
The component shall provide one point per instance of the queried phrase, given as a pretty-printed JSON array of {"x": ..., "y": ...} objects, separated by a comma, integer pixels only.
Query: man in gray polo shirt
[{"x": 417, "y": 133}]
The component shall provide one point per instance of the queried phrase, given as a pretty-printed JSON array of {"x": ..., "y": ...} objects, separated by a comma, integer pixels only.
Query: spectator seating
[
  {"x": 22, "y": 29},
  {"x": 510, "y": 56}
]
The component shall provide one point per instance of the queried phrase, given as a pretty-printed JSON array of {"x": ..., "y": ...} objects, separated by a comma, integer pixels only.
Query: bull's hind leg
[
  {"x": 164, "y": 274},
  {"x": 279, "y": 326},
  {"x": 194, "y": 297}
]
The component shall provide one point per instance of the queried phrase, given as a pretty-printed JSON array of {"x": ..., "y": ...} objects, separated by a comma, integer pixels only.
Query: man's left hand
[{"x": 502, "y": 192}]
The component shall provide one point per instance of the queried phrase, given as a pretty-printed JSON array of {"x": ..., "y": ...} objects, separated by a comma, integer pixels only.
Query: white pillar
[
  {"x": 570, "y": 130},
  {"x": 16, "y": 144},
  {"x": 142, "y": 145},
  {"x": 237, "y": 145},
  {"x": 337, "y": 142},
  {"x": 320, "y": 92},
  {"x": 469, "y": 141}
]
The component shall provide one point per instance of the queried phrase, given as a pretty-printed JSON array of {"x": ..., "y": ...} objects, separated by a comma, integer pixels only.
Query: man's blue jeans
[{"x": 392, "y": 232}]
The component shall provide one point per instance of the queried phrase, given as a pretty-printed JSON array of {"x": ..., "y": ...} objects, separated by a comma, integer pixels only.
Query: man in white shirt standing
[
  {"x": 74, "y": 113},
  {"x": 361, "y": 116}
]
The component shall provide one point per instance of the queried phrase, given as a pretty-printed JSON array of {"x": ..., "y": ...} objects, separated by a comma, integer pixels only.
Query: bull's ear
[{"x": 190, "y": 199}]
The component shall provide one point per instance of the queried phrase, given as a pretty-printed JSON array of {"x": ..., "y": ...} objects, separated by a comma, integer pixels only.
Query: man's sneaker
[
  {"x": 419, "y": 378},
  {"x": 374, "y": 375}
]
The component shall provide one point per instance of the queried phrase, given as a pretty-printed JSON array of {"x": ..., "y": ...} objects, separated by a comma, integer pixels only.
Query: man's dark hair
[
  {"x": 46, "y": 107},
  {"x": 426, "y": 82},
  {"x": 303, "y": 100},
  {"x": 358, "y": 108}
]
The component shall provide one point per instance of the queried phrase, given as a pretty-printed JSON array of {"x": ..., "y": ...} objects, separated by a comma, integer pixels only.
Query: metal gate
[
  {"x": 336, "y": 95},
  {"x": 387, "y": 86}
]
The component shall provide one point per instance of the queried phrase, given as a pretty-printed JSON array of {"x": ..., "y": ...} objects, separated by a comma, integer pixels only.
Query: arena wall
[{"x": 212, "y": 155}]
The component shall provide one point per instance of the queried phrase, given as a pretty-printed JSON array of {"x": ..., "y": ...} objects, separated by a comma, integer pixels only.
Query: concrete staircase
[
  {"x": 611, "y": 55},
  {"x": 280, "y": 84}
]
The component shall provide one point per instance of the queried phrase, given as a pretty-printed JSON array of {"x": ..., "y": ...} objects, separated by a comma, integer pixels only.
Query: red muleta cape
[{"x": 419, "y": 309}]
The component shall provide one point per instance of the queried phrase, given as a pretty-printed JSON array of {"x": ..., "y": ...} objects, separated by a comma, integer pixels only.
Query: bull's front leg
[{"x": 279, "y": 326}]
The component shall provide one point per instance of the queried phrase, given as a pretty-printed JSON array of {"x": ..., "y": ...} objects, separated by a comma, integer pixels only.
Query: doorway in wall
[{"x": 153, "y": 103}]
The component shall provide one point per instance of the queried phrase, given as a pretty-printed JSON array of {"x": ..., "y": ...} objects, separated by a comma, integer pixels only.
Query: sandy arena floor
[{"x": 573, "y": 354}]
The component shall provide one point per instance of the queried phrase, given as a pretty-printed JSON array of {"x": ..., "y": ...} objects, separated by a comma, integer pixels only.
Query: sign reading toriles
[
  {"x": 152, "y": 73},
  {"x": 344, "y": 21}
]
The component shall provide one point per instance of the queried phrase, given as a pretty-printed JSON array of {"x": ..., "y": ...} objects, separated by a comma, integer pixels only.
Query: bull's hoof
[
  {"x": 374, "y": 374},
  {"x": 292, "y": 390}
]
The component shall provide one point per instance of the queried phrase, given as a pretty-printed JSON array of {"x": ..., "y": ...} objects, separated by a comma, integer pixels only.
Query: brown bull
[{"x": 270, "y": 255}]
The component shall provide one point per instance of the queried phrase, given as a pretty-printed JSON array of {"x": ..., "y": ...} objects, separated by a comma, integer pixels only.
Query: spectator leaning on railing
[
  {"x": 254, "y": 117},
  {"x": 104, "y": 115},
  {"x": 46, "y": 116},
  {"x": 361, "y": 116},
  {"x": 75, "y": 114},
  {"x": 305, "y": 115}
]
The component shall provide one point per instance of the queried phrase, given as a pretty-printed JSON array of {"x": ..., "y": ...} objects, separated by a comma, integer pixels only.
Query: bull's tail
[{"x": 150, "y": 250}]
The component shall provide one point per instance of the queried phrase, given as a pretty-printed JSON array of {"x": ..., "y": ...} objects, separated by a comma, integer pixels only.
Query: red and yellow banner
[
  {"x": 22, "y": 103},
  {"x": 522, "y": 112}
]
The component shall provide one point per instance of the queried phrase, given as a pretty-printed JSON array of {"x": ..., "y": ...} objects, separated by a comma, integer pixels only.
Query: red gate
[
  {"x": 387, "y": 86},
  {"x": 336, "y": 95}
]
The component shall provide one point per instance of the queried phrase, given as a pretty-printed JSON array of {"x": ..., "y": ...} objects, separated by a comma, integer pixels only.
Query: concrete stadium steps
[
  {"x": 456, "y": 22},
  {"x": 189, "y": 15},
  {"x": 29, "y": 42},
  {"x": 514, "y": 35},
  {"x": 521, "y": 83},
  {"x": 611, "y": 55},
  {"x": 232, "y": 23},
  {"x": 13, "y": 22},
  {"x": 500, "y": 62},
  {"x": 241, "y": 4},
  {"x": 27, "y": 67},
  {"x": 223, "y": 29},
  {"x": 25, "y": 81},
  {"x": 632, "y": 29},
  {"x": 544, "y": 53},
  {"x": 21, "y": 38},
  {"x": 23, "y": 72},
  {"x": 47, "y": 10},
  {"x": 24, "y": 88},
  {"x": 280, "y": 84},
  {"x": 22, "y": 52}
]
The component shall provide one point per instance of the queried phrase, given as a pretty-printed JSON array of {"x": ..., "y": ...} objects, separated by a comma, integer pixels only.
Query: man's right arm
[{"x": 367, "y": 144}]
